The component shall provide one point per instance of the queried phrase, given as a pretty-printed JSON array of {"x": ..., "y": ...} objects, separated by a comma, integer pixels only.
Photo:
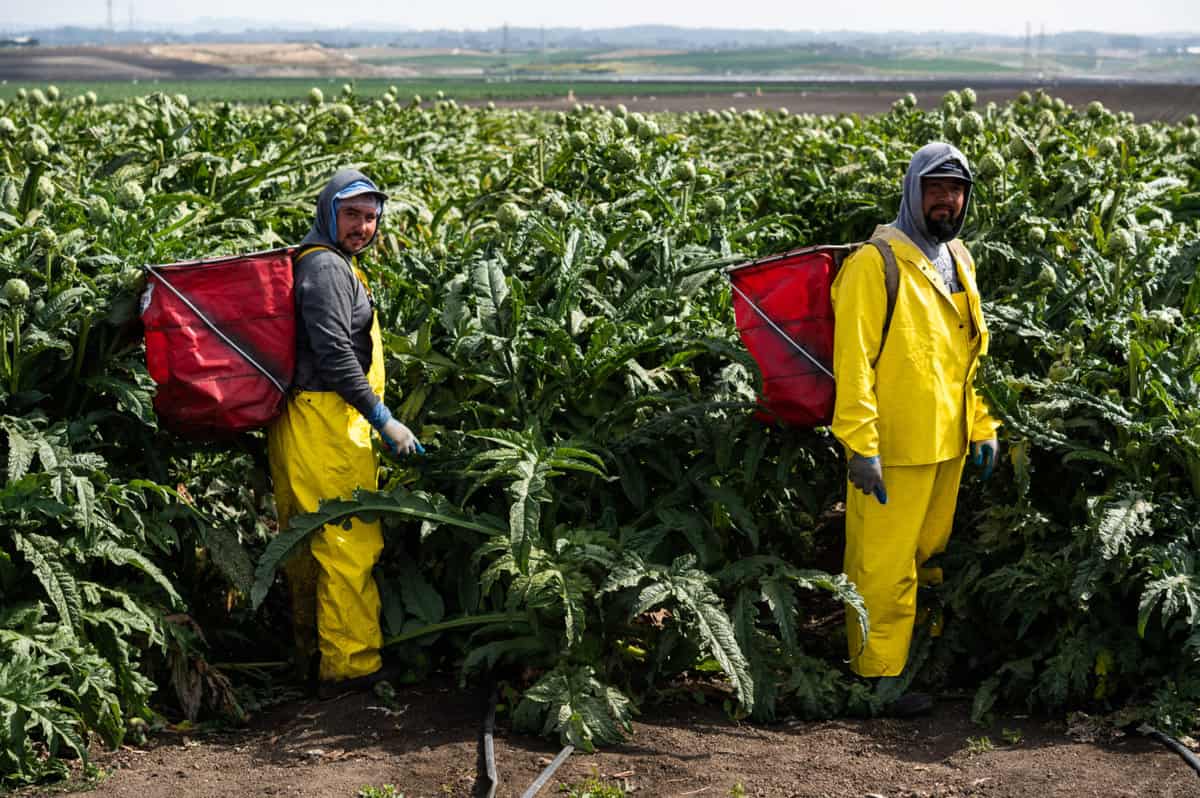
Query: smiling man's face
[
  {"x": 356, "y": 223},
  {"x": 942, "y": 200}
]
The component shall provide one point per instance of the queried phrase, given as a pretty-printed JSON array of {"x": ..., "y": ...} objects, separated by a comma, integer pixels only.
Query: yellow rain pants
[
  {"x": 320, "y": 448},
  {"x": 886, "y": 547}
]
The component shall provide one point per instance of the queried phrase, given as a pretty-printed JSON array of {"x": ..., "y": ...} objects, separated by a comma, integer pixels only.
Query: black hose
[
  {"x": 1176, "y": 746},
  {"x": 486, "y": 778},
  {"x": 541, "y": 780}
]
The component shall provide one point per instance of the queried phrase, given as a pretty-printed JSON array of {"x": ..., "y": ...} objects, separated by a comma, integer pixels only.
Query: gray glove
[{"x": 867, "y": 475}]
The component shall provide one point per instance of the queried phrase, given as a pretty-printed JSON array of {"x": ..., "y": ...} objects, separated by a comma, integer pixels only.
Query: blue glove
[
  {"x": 397, "y": 437},
  {"x": 867, "y": 475},
  {"x": 984, "y": 453}
]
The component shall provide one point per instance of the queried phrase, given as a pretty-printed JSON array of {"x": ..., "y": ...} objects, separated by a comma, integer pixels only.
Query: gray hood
[
  {"x": 911, "y": 220},
  {"x": 324, "y": 227}
]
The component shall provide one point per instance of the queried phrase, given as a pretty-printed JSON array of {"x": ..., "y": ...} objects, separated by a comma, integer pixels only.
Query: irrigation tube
[
  {"x": 486, "y": 778},
  {"x": 1176, "y": 746},
  {"x": 537, "y": 786}
]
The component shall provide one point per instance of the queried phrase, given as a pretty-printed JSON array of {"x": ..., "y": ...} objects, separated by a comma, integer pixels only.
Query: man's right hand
[
  {"x": 867, "y": 475},
  {"x": 400, "y": 438},
  {"x": 396, "y": 436}
]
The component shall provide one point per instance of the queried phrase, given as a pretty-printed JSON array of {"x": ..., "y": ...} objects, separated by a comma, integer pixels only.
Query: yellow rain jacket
[
  {"x": 915, "y": 403},
  {"x": 915, "y": 406}
]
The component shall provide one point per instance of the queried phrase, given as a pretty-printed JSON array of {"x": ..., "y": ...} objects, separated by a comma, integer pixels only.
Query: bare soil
[
  {"x": 427, "y": 744},
  {"x": 180, "y": 62},
  {"x": 99, "y": 63},
  {"x": 266, "y": 60}
]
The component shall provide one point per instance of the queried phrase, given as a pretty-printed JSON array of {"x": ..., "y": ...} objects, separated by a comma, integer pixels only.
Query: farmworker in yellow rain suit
[
  {"x": 906, "y": 409},
  {"x": 321, "y": 448}
]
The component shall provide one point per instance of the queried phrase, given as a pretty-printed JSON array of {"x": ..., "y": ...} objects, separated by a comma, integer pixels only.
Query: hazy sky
[{"x": 1006, "y": 16}]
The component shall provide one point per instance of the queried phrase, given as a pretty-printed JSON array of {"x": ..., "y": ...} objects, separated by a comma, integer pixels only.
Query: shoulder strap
[
  {"x": 306, "y": 251},
  {"x": 959, "y": 251},
  {"x": 891, "y": 283}
]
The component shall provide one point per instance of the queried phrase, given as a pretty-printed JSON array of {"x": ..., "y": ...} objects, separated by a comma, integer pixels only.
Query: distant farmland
[
  {"x": 312, "y": 60},
  {"x": 795, "y": 62},
  {"x": 836, "y": 80}
]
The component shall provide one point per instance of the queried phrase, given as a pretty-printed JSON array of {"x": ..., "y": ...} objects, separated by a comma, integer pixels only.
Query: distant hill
[{"x": 643, "y": 36}]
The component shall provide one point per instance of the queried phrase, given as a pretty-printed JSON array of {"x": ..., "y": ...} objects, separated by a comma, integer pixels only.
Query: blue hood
[{"x": 324, "y": 227}]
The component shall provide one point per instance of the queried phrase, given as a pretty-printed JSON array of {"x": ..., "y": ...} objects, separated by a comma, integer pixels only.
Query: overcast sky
[{"x": 1008, "y": 16}]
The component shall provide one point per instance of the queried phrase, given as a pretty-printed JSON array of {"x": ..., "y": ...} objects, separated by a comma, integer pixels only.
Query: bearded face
[
  {"x": 941, "y": 229},
  {"x": 942, "y": 202}
]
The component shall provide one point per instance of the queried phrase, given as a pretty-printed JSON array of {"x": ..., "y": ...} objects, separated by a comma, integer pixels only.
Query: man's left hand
[
  {"x": 984, "y": 453},
  {"x": 866, "y": 473}
]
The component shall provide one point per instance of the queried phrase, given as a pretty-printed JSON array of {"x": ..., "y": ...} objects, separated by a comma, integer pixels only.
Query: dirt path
[{"x": 426, "y": 747}]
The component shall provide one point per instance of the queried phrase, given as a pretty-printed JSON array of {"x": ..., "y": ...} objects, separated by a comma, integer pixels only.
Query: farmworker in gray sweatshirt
[{"x": 321, "y": 446}]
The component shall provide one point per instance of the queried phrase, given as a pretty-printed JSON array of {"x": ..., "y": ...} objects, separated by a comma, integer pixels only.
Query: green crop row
[
  {"x": 289, "y": 90},
  {"x": 599, "y": 511}
]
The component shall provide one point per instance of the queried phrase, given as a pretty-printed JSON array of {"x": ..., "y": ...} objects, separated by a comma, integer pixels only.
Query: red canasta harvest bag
[
  {"x": 785, "y": 318},
  {"x": 220, "y": 341}
]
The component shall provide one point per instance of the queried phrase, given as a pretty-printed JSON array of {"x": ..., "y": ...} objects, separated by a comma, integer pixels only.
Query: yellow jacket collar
[{"x": 906, "y": 250}]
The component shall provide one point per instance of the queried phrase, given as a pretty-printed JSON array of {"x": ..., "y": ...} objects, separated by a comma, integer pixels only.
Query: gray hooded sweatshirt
[
  {"x": 911, "y": 220},
  {"x": 334, "y": 311}
]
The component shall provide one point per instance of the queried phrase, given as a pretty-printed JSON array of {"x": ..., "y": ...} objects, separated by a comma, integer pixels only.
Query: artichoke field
[{"x": 599, "y": 511}]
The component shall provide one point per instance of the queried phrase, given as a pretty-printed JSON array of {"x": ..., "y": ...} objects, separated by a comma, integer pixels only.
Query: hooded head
[
  {"x": 349, "y": 189},
  {"x": 939, "y": 160}
]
